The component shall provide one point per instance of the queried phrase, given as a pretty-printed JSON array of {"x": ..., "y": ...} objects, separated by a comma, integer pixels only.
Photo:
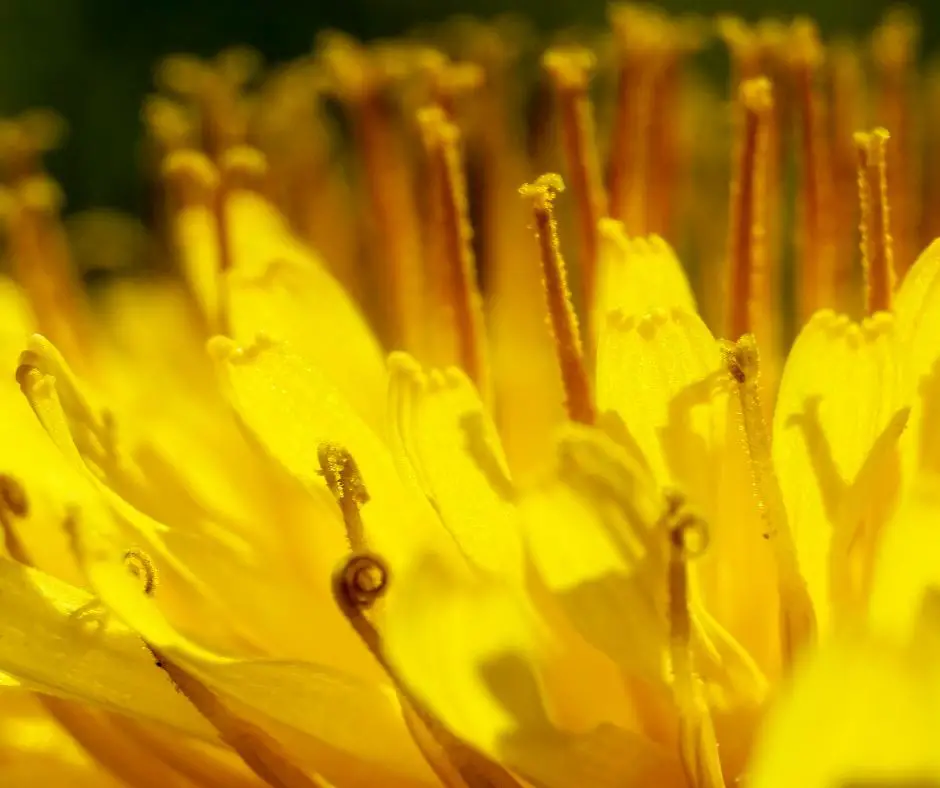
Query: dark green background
[{"x": 92, "y": 59}]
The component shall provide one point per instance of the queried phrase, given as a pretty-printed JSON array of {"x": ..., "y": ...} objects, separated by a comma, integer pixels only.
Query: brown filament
[
  {"x": 570, "y": 70},
  {"x": 894, "y": 47},
  {"x": 876, "y": 242},
  {"x": 453, "y": 263},
  {"x": 816, "y": 264},
  {"x": 564, "y": 322},
  {"x": 747, "y": 230},
  {"x": 392, "y": 229}
]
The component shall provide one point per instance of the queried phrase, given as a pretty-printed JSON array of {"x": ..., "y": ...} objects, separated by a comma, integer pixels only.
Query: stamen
[
  {"x": 773, "y": 43},
  {"x": 392, "y": 222},
  {"x": 848, "y": 111},
  {"x": 447, "y": 82},
  {"x": 100, "y": 733},
  {"x": 452, "y": 260},
  {"x": 748, "y": 208},
  {"x": 797, "y": 619},
  {"x": 570, "y": 70},
  {"x": 343, "y": 479},
  {"x": 244, "y": 167},
  {"x": 365, "y": 580},
  {"x": 679, "y": 522},
  {"x": 194, "y": 182},
  {"x": 358, "y": 584},
  {"x": 168, "y": 124},
  {"x": 190, "y": 176},
  {"x": 661, "y": 175},
  {"x": 698, "y": 747},
  {"x": 215, "y": 88},
  {"x": 24, "y": 139},
  {"x": 205, "y": 768},
  {"x": 930, "y": 217},
  {"x": 637, "y": 34},
  {"x": 564, "y": 322},
  {"x": 241, "y": 167},
  {"x": 139, "y": 564},
  {"x": 816, "y": 268},
  {"x": 103, "y": 736},
  {"x": 877, "y": 244},
  {"x": 894, "y": 49},
  {"x": 260, "y": 751},
  {"x": 743, "y": 47},
  {"x": 13, "y": 503},
  {"x": 44, "y": 266},
  {"x": 308, "y": 178}
]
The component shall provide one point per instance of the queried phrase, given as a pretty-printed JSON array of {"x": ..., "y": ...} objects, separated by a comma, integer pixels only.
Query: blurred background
[{"x": 92, "y": 60}]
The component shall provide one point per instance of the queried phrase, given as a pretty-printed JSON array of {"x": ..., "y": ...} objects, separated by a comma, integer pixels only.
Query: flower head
[{"x": 245, "y": 547}]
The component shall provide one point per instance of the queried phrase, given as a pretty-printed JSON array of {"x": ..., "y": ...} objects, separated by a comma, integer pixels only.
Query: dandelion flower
[{"x": 429, "y": 506}]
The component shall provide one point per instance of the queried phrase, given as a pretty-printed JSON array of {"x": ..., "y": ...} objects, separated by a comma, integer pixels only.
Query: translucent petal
[
  {"x": 917, "y": 307},
  {"x": 57, "y": 637},
  {"x": 279, "y": 287},
  {"x": 661, "y": 373},
  {"x": 326, "y": 705},
  {"x": 595, "y": 539},
  {"x": 71, "y": 415},
  {"x": 196, "y": 237},
  {"x": 102, "y": 737},
  {"x": 840, "y": 410},
  {"x": 523, "y": 355},
  {"x": 36, "y": 752},
  {"x": 28, "y": 455},
  {"x": 131, "y": 444},
  {"x": 243, "y": 522},
  {"x": 859, "y": 712},
  {"x": 474, "y": 654},
  {"x": 591, "y": 536},
  {"x": 657, "y": 372},
  {"x": 441, "y": 429},
  {"x": 292, "y": 409},
  {"x": 637, "y": 276},
  {"x": 908, "y": 559}
]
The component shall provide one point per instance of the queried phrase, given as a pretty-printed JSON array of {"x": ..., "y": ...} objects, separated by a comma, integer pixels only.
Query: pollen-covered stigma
[{"x": 414, "y": 456}]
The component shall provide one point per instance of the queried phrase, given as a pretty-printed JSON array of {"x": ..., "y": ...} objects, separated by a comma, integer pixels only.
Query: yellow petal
[
  {"x": 656, "y": 372},
  {"x": 57, "y": 637},
  {"x": 278, "y": 286},
  {"x": 70, "y": 420},
  {"x": 441, "y": 429},
  {"x": 591, "y": 535},
  {"x": 637, "y": 276},
  {"x": 292, "y": 408},
  {"x": 860, "y": 712},
  {"x": 473, "y": 653},
  {"x": 917, "y": 307},
  {"x": 101, "y": 735},
  {"x": 738, "y": 574},
  {"x": 18, "y": 322},
  {"x": 353, "y": 719},
  {"x": 840, "y": 410},
  {"x": 523, "y": 355},
  {"x": 908, "y": 559},
  {"x": 132, "y": 443},
  {"x": 595, "y": 538},
  {"x": 195, "y": 228},
  {"x": 36, "y": 752},
  {"x": 661, "y": 373},
  {"x": 243, "y": 522},
  {"x": 28, "y": 455}
]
